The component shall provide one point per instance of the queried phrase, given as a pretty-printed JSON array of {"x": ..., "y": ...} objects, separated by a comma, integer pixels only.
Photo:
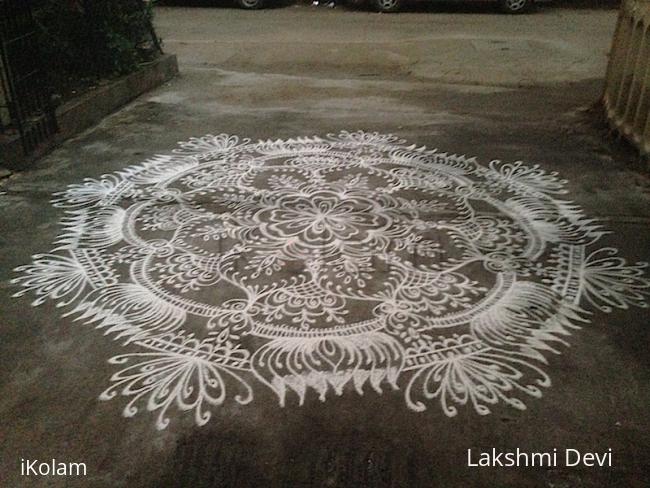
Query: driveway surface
[
  {"x": 316, "y": 302},
  {"x": 475, "y": 47}
]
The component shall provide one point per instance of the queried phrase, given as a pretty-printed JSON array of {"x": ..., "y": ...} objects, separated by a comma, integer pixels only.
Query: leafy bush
[{"x": 92, "y": 39}]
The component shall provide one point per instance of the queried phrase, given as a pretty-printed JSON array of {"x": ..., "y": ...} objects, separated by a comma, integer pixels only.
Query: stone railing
[{"x": 627, "y": 88}]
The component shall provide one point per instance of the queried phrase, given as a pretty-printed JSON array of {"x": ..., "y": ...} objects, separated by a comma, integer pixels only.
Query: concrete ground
[
  {"x": 471, "y": 45},
  {"x": 465, "y": 81}
]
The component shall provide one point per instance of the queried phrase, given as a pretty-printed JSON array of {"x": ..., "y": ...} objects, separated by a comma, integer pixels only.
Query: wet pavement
[{"x": 55, "y": 368}]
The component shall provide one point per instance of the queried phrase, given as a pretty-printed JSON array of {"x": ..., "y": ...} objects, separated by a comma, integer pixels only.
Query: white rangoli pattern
[{"x": 328, "y": 264}]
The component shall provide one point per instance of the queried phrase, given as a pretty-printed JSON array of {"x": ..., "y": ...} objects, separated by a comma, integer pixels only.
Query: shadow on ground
[{"x": 312, "y": 457}]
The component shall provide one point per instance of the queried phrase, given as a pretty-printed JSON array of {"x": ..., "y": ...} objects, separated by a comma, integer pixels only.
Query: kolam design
[{"x": 335, "y": 264}]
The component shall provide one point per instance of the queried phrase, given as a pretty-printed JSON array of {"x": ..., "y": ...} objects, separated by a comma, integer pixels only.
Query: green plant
[{"x": 91, "y": 39}]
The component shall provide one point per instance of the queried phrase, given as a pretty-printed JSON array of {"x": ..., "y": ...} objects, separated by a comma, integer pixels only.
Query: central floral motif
[
  {"x": 327, "y": 265},
  {"x": 323, "y": 217}
]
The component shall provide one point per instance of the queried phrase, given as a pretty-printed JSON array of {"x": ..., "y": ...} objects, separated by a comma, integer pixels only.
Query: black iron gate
[{"x": 25, "y": 104}]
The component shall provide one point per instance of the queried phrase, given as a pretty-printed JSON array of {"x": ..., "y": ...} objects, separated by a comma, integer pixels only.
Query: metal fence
[
  {"x": 25, "y": 106},
  {"x": 627, "y": 89}
]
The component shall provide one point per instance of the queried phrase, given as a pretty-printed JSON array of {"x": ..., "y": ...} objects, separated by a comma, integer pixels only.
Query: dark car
[{"x": 507, "y": 6}]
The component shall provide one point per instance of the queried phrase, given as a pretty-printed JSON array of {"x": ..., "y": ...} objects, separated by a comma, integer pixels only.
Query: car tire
[
  {"x": 387, "y": 6},
  {"x": 515, "y": 6},
  {"x": 250, "y": 4}
]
